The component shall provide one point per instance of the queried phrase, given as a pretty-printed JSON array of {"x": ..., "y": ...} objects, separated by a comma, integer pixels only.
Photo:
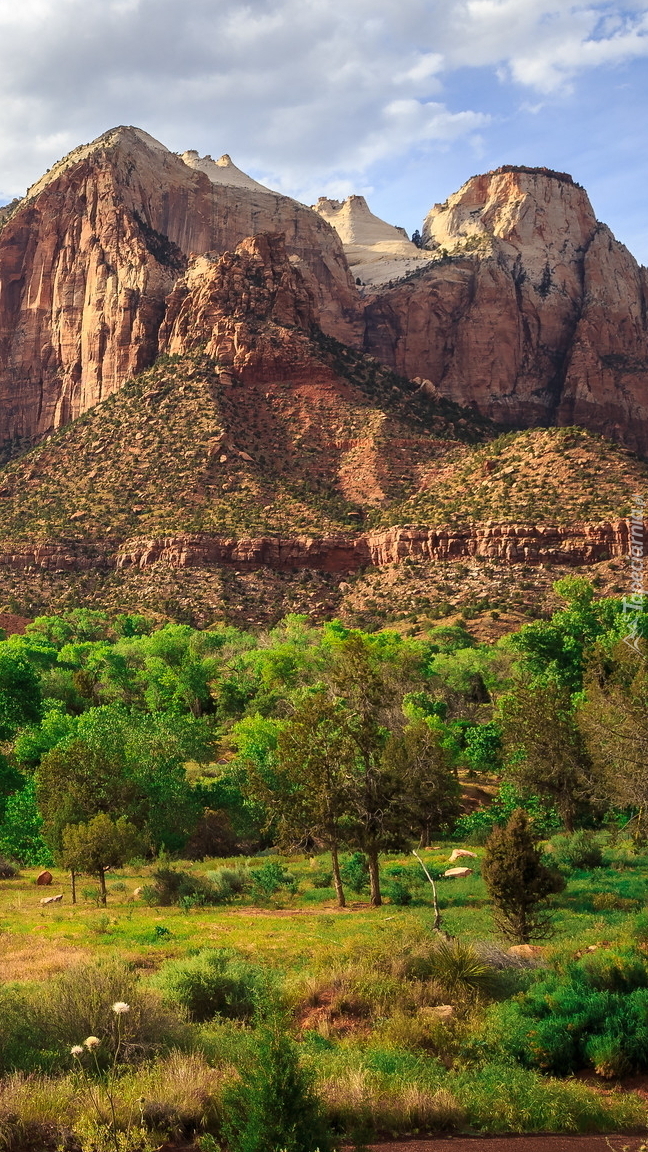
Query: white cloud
[{"x": 310, "y": 92}]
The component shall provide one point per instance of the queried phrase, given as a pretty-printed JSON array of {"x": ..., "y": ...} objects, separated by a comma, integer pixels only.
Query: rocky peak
[
  {"x": 375, "y": 250},
  {"x": 242, "y": 307},
  {"x": 89, "y": 255},
  {"x": 223, "y": 171},
  {"x": 534, "y": 212}
]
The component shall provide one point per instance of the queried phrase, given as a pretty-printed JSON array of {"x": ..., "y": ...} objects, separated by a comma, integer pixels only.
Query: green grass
[{"x": 354, "y": 983}]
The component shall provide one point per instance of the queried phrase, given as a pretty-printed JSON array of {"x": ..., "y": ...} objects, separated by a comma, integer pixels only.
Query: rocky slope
[
  {"x": 531, "y": 310},
  {"x": 89, "y": 255}
]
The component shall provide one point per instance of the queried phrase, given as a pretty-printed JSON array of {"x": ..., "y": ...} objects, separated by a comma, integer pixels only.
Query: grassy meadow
[{"x": 356, "y": 989}]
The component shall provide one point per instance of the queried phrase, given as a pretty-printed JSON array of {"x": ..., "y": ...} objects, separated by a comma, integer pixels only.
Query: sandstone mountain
[
  {"x": 531, "y": 311},
  {"x": 89, "y": 255},
  {"x": 256, "y": 440},
  {"x": 520, "y": 303}
]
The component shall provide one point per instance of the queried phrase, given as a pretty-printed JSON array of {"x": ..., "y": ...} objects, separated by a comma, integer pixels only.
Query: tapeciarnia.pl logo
[{"x": 633, "y": 605}]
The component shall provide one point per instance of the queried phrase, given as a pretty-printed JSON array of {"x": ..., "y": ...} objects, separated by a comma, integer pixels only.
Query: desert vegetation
[{"x": 316, "y": 885}]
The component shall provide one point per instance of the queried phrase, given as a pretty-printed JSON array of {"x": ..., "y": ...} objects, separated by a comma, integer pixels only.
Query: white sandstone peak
[
  {"x": 376, "y": 251},
  {"x": 223, "y": 171}
]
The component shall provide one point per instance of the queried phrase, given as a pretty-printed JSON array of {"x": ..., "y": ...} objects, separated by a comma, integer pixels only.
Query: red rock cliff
[
  {"x": 533, "y": 312},
  {"x": 90, "y": 254}
]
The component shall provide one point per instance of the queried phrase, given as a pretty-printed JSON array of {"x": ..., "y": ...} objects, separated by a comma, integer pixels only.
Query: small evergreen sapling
[{"x": 518, "y": 881}]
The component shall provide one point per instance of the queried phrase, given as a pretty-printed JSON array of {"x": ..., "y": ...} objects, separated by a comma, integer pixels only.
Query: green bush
[
  {"x": 7, "y": 870},
  {"x": 640, "y": 927},
  {"x": 476, "y": 827},
  {"x": 398, "y": 893},
  {"x": 228, "y": 883},
  {"x": 355, "y": 872},
  {"x": 580, "y": 851},
  {"x": 174, "y": 887},
  {"x": 322, "y": 879},
  {"x": 271, "y": 877},
  {"x": 214, "y": 982},
  {"x": 595, "y": 1013}
]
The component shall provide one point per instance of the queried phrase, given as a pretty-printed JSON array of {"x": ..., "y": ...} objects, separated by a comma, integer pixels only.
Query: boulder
[
  {"x": 458, "y": 873},
  {"x": 52, "y": 899},
  {"x": 442, "y": 1012},
  {"x": 527, "y": 951},
  {"x": 44, "y": 878},
  {"x": 459, "y": 853}
]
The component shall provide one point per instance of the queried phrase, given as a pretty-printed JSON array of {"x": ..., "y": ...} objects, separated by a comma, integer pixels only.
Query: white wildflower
[
  {"x": 92, "y": 1042},
  {"x": 77, "y": 1050},
  {"x": 119, "y": 1007}
]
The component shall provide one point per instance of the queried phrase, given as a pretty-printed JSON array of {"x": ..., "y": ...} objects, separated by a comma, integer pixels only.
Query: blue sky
[{"x": 401, "y": 100}]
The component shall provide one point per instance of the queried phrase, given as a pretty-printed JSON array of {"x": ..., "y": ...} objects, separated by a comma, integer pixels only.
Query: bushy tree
[
  {"x": 545, "y": 749},
  {"x": 421, "y": 763},
  {"x": 99, "y": 844},
  {"x": 518, "y": 881}
]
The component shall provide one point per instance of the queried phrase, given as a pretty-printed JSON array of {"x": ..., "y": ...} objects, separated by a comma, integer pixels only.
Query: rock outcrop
[
  {"x": 223, "y": 301},
  {"x": 89, "y": 255},
  {"x": 531, "y": 310},
  {"x": 512, "y": 543}
]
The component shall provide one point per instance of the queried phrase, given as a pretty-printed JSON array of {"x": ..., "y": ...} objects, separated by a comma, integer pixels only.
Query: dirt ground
[{"x": 517, "y": 1144}]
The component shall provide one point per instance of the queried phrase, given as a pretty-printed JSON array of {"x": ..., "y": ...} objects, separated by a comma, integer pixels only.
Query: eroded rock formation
[
  {"x": 531, "y": 311},
  {"x": 512, "y": 543},
  {"x": 89, "y": 255}
]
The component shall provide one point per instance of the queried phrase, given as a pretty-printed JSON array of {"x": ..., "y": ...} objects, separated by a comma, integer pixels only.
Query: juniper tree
[{"x": 518, "y": 881}]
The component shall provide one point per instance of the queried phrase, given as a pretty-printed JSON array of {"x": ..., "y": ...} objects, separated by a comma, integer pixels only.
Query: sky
[{"x": 399, "y": 100}]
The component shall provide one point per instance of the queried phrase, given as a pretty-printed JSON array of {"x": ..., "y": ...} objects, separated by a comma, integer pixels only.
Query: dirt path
[{"x": 517, "y": 1144}]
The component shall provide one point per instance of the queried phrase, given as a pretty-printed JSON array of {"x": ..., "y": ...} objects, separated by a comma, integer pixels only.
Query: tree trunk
[
  {"x": 374, "y": 877},
  {"x": 424, "y": 842},
  {"x": 337, "y": 879},
  {"x": 73, "y": 884},
  {"x": 102, "y": 885}
]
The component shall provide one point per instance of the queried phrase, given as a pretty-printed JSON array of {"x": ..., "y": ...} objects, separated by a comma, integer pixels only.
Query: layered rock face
[
  {"x": 512, "y": 543},
  {"x": 531, "y": 310},
  {"x": 89, "y": 255}
]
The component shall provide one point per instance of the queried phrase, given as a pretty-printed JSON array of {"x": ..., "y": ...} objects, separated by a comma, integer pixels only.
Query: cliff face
[
  {"x": 578, "y": 544},
  {"x": 531, "y": 310},
  {"x": 88, "y": 257},
  {"x": 222, "y": 303}
]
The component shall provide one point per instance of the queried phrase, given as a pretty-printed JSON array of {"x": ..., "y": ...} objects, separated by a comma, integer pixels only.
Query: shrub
[
  {"x": 213, "y": 982},
  {"x": 610, "y": 902},
  {"x": 355, "y": 872},
  {"x": 596, "y": 1013},
  {"x": 275, "y": 1106},
  {"x": 398, "y": 893},
  {"x": 7, "y": 870},
  {"x": 172, "y": 886},
  {"x": 271, "y": 877},
  {"x": 640, "y": 927},
  {"x": 476, "y": 827},
  {"x": 580, "y": 851},
  {"x": 80, "y": 1001},
  {"x": 228, "y": 883},
  {"x": 322, "y": 879}
]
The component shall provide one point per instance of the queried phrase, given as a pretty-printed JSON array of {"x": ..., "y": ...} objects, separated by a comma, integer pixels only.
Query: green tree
[
  {"x": 420, "y": 761},
  {"x": 545, "y": 749},
  {"x": 101, "y": 843},
  {"x": 20, "y": 693},
  {"x": 558, "y": 648},
  {"x": 373, "y": 797},
  {"x": 613, "y": 718},
  {"x": 305, "y": 795},
  {"x": 76, "y": 782},
  {"x": 518, "y": 881},
  {"x": 21, "y": 836}
]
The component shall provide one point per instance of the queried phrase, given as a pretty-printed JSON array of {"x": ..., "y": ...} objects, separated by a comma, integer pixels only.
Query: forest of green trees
[{"x": 218, "y": 742}]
